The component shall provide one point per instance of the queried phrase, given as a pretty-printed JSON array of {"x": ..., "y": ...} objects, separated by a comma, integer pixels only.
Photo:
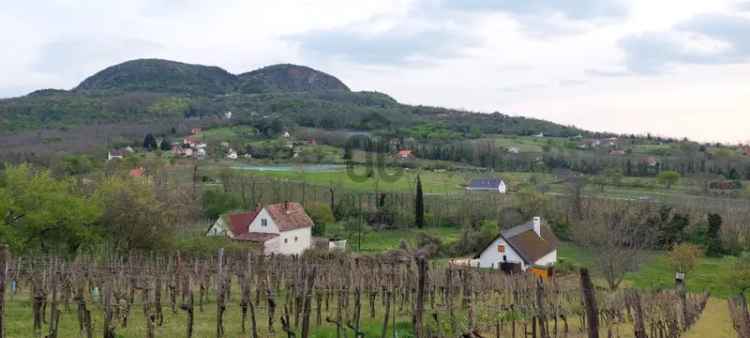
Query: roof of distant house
[
  {"x": 239, "y": 223},
  {"x": 530, "y": 246},
  {"x": 289, "y": 216},
  {"x": 137, "y": 172},
  {"x": 485, "y": 183},
  {"x": 404, "y": 153}
]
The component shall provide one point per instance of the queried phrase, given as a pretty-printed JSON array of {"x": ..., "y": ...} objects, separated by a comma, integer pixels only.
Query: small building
[
  {"x": 137, "y": 172},
  {"x": 282, "y": 228},
  {"x": 650, "y": 161},
  {"x": 285, "y": 134},
  {"x": 521, "y": 247},
  {"x": 514, "y": 150},
  {"x": 201, "y": 153},
  {"x": 195, "y": 131},
  {"x": 405, "y": 154},
  {"x": 228, "y": 115},
  {"x": 232, "y": 155},
  {"x": 487, "y": 184},
  {"x": 115, "y": 154}
]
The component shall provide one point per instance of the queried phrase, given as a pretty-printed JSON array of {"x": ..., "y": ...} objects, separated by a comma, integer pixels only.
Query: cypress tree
[
  {"x": 713, "y": 239},
  {"x": 419, "y": 216}
]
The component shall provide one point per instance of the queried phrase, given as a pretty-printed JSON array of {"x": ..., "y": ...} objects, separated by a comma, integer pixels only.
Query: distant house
[
  {"x": 514, "y": 150},
  {"x": 228, "y": 115},
  {"x": 487, "y": 184},
  {"x": 617, "y": 152},
  {"x": 137, "y": 172},
  {"x": 282, "y": 228},
  {"x": 115, "y": 154},
  {"x": 285, "y": 134},
  {"x": 541, "y": 134},
  {"x": 521, "y": 247},
  {"x": 232, "y": 155},
  {"x": 201, "y": 153},
  {"x": 405, "y": 154},
  {"x": 650, "y": 161},
  {"x": 195, "y": 131}
]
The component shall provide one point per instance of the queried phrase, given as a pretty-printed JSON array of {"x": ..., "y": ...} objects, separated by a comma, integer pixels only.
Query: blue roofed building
[{"x": 487, "y": 184}]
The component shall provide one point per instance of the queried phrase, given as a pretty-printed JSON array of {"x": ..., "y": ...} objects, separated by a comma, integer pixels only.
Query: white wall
[
  {"x": 292, "y": 242},
  {"x": 548, "y": 259},
  {"x": 501, "y": 188},
  {"x": 256, "y": 225},
  {"x": 218, "y": 229},
  {"x": 490, "y": 257}
]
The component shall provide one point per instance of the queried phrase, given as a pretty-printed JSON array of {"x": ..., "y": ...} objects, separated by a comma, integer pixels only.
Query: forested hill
[{"x": 162, "y": 92}]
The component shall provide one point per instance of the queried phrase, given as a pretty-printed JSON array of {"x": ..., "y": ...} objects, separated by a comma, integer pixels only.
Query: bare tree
[{"x": 619, "y": 236}]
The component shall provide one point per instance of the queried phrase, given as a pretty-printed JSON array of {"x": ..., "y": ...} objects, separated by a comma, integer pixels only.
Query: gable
[{"x": 264, "y": 223}]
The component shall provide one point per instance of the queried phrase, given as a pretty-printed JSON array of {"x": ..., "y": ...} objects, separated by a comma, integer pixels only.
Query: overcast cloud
[{"x": 675, "y": 68}]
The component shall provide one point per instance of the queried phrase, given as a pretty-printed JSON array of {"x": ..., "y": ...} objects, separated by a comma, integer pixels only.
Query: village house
[
  {"x": 137, "y": 172},
  {"x": 405, "y": 154},
  {"x": 487, "y": 184},
  {"x": 232, "y": 155},
  {"x": 115, "y": 154},
  {"x": 514, "y": 150},
  {"x": 520, "y": 248},
  {"x": 282, "y": 228},
  {"x": 228, "y": 115}
]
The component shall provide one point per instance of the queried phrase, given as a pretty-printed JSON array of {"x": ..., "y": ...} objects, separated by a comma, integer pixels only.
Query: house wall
[
  {"x": 548, "y": 259},
  {"x": 256, "y": 224},
  {"x": 218, "y": 229},
  {"x": 501, "y": 188},
  {"x": 292, "y": 242},
  {"x": 490, "y": 257}
]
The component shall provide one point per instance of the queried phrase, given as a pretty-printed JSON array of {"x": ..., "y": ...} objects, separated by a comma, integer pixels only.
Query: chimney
[
  {"x": 537, "y": 222},
  {"x": 286, "y": 206}
]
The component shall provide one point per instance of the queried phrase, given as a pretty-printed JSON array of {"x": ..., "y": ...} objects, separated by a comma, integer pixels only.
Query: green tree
[
  {"x": 43, "y": 214},
  {"x": 668, "y": 178},
  {"x": 165, "y": 145},
  {"x": 713, "y": 239},
  {"x": 216, "y": 203},
  {"x": 419, "y": 205},
  {"x": 149, "y": 142},
  {"x": 684, "y": 257},
  {"x": 134, "y": 217},
  {"x": 321, "y": 215}
]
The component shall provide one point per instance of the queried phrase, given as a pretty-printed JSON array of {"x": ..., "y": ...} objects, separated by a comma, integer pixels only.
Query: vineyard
[{"x": 320, "y": 294}]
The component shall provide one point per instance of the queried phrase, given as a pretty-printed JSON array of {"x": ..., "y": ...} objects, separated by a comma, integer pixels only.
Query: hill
[
  {"x": 288, "y": 78},
  {"x": 164, "y": 95},
  {"x": 154, "y": 75}
]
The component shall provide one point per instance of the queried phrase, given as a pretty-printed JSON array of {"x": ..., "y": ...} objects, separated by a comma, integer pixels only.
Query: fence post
[{"x": 589, "y": 302}]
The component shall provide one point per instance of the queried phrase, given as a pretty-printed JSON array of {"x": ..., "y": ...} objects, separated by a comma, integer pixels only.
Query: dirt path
[{"x": 714, "y": 322}]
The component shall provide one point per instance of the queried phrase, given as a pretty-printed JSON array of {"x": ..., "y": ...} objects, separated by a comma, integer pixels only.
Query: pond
[{"x": 316, "y": 168}]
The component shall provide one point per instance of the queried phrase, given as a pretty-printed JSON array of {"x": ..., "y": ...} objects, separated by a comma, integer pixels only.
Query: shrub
[
  {"x": 429, "y": 245},
  {"x": 321, "y": 215},
  {"x": 215, "y": 203}
]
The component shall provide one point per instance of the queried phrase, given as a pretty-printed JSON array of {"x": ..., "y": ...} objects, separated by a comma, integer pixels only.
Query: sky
[{"x": 677, "y": 68}]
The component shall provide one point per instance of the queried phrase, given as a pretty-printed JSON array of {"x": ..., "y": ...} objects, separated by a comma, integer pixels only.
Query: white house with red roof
[{"x": 282, "y": 228}]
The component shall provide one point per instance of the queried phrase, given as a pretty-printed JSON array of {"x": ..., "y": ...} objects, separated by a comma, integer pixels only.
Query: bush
[
  {"x": 471, "y": 242},
  {"x": 321, "y": 215},
  {"x": 429, "y": 245},
  {"x": 216, "y": 203}
]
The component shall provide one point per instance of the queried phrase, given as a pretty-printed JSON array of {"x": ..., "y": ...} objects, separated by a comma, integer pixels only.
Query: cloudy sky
[{"x": 668, "y": 67}]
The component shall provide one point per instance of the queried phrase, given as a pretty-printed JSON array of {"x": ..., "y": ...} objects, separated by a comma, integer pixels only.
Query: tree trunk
[{"x": 589, "y": 301}]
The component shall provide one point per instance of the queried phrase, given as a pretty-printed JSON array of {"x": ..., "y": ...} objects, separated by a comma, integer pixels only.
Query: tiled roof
[
  {"x": 527, "y": 243},
  {"x": 289, "y": 216},
  {"x": 240, "y": 223},
  {"x": 485, "y": 183}
]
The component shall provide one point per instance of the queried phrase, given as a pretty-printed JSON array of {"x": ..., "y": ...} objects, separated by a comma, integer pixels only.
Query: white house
[
  {"x": 487, "y": 184},
  {"x": 232, "y": 155},
  {"x": 523, "y": 246},
  {"x": 282, "y": 228},
  {"x": 228, "y": 115},
  {"x": 115, "y": 154}
]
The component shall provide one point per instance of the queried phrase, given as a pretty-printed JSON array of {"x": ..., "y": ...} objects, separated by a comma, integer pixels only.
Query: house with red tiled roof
[
  {"x": 137, "y": 172},
  {"x": 405, "y": 154},
  {"x": 282, "y": 228}
]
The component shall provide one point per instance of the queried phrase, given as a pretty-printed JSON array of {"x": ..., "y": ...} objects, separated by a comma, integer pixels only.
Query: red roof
[
  {"x": 137, "y": 172},
  {"x": 289, "y": 216},
  {"x": 240, "y": 223}
]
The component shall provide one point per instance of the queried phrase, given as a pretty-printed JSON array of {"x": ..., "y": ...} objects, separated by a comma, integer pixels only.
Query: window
[
  {"x": 501, "y": 248},
  {"x": 286, "y": 240},
  {"x": 295, "y": 238},
  {"x": 263, "y": 222}
]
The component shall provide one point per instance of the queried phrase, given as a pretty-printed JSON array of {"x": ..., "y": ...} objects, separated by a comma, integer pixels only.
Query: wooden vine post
[
  {"x": 4, "y": 259},
  {"x": 419, "y": 308},
  {"x": 589, "y": 303}
]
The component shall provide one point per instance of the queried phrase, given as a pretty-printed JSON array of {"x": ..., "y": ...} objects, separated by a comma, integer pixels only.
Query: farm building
[
  {"x": 521, "y": 247},
  {"x": 487, "y": 184},
  {"x": 283, "y": 228}
]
